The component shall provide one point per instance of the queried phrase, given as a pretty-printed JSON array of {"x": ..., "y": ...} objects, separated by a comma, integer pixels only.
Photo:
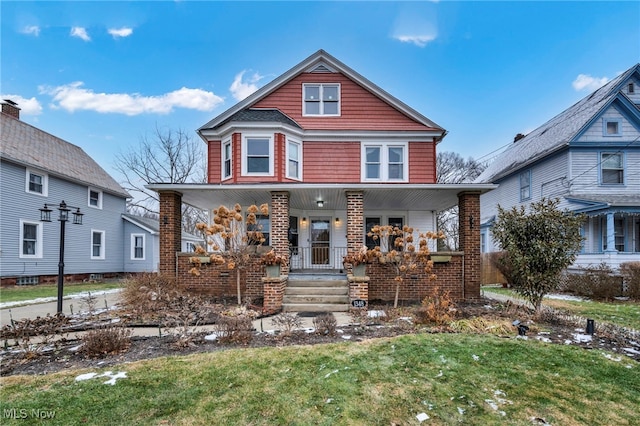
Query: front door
[{"x": 320, "y": 241}]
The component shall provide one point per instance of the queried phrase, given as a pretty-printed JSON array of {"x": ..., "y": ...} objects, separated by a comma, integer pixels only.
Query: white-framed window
[
  {"x": 30, "y": 239},
  {"x": 385, "y": 162},
  {"x": 94, "y": 198},
  {"x": 321, "y": 99},
  {"x": 37, "y": 182},
  {"x": 226, "y": 160},
  {"x": 294, "y": 159},
  {"x": 525, "y": 185},
  {"x": 611, "y": 168},
  {"x": 97, "y": 244},
  {"x": 137, "y": 246},
  {"x": 611, "y": 127},
  {"x": 257, "y": 156}
]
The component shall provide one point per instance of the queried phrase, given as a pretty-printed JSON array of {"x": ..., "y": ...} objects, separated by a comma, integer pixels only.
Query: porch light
[
  {"x": 320, "y": 203},
  {"x": 304, "y": 220},
  {"x": 337, "y": 220}
]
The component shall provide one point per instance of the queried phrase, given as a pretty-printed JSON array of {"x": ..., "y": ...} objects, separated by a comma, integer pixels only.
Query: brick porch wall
[
  {"x": 279, "y": 214},
  {"x": 355, "y": 220},
  {"x": 170, "y": 230},
  {"x": 449, "y": 278}
]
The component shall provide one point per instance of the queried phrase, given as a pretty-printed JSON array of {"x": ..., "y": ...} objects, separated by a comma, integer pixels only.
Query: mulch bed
[{"x": 556, "y": 329}]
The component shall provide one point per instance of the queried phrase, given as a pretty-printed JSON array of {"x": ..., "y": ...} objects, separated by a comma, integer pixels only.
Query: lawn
[
  {"x": 22, "y": 293},
  {"x": 452, "y": 378},
  {"x": 621, "y": 313}
]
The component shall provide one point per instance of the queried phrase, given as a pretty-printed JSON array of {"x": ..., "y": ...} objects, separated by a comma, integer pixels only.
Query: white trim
[
  {"x": 321, "y": 100},
  {"x": 103, "y": 244},
  {"x": 100, "y": 197},
  {"x": 223, "y": 160},
  {"x": 133, "y": 247},
  {"x": 45, "y": 182},
  {"x": 38, "y": 253},
  {"x": 245, "y": 137},
  {"x": 295, "y": 142},
  {"x": 384, "y": 160}
]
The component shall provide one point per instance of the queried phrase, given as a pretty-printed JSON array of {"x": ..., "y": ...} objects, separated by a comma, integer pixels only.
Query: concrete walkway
[{"x": 111, "y": 299}]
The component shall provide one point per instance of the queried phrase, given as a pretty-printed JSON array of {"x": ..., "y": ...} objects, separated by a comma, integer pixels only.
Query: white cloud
[
  {"x": 418, "y": 40},
  {"x": 120, "y": 32},
  {"x": 241, "y": 89},
  {"x": 31, "y": 29},
  {"x": 584, "y": 81},
  {"x": 27, "y": 106},
  {"x": 80, "y": 33},
  {"x": 73, "y": 97}
]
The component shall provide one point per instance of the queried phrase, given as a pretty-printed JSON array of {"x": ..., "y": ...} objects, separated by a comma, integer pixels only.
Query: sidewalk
[{"x": 111, "y": 299}]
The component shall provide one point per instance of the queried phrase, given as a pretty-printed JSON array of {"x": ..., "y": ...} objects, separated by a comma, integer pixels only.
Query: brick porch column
[
  {"x": 355, "y": 220},
  {"x": 170, "y": 230},
  {"x": 469, "y": 234},
  {"x": 280, "y": 225}
]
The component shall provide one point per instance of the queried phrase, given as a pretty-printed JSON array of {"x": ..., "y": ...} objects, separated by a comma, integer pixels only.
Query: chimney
[
  {"x": 11, "y": 108},
  {"x": 518, "y": 137}
]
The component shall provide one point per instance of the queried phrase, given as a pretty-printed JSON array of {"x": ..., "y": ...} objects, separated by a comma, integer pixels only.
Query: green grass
[
  {"x": 379, "y": 382},
  {"x": 621, "y": 313},
  {"x": 23, "y": 293}
]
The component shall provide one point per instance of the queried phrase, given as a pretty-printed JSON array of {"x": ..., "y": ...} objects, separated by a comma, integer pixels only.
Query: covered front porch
[{"x": 315, "y": 226}]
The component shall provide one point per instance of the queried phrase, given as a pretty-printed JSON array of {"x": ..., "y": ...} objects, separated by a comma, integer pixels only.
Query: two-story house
[
  {"x": 588, "y": 156},
  {"x": 333, "y": 154},
  {"x": 37, "y": 168}
]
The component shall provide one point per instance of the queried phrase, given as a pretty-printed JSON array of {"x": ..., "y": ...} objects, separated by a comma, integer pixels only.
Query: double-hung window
[
  {"x": 95, "y": 198},
  {"x": 258, "y": 158},
  {"x": 226, "y": 160},
  {"x": 36, "y": 182},
  {"x": 294, "y": 156},
  {"x": 611, "y": 168},
  {"x": 137, "y": 246},
  {"x": 321, "y": 99},
  {"x": 97, "y": 244},
  {"x": 525, "y": 185},
  {"x": 30, "y": 239},
  {"x": 384, "y": 162}
]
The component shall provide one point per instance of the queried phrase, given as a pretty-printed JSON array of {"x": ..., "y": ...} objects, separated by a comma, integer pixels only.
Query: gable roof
[
  {"x": 262, "y": 115},
  {"x": 29, "y": 146},
  {"x": 152, "y": 226},
  {"x": 320, "y": 61},
  {"x": 558, "y": 132}
]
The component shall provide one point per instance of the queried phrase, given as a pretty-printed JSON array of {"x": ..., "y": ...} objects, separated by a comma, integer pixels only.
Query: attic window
[
  {"x": 321, "y": 99},
  {"x": 631, "y": 88},
  {"x": 612, "y": 127}
]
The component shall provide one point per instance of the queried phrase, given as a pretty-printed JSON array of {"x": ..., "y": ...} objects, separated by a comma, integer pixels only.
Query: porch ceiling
[{"x": 305, "y": 196}]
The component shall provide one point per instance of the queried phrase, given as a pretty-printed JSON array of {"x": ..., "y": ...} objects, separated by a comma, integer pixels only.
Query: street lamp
[{"x": 45, "y": 216}]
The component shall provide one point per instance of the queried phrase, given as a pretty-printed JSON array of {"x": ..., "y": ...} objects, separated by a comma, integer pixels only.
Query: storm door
[{"x": 320, "y": 241}]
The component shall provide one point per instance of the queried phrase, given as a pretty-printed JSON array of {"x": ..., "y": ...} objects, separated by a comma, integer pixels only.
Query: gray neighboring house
[
  {"x": 142, "y": 243},
  {"x": 589, "y": 157}
]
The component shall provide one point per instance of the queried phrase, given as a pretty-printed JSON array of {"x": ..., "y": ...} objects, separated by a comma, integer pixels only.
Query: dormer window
[{"x": 321, "y": 99}]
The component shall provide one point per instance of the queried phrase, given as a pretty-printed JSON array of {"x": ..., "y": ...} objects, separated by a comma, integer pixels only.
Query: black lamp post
[{"x": 45, "y": 216}]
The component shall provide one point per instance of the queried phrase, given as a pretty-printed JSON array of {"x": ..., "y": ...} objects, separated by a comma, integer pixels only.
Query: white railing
[{"x": 317, "y": 257}]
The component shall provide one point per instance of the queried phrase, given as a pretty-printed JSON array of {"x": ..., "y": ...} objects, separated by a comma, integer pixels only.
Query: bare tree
[
  {"x": 452, "y": 168},
  {"x": 165, "y": 156}
]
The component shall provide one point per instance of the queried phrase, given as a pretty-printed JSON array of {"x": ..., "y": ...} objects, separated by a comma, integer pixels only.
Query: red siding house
[{"x": 333, "y": 154}]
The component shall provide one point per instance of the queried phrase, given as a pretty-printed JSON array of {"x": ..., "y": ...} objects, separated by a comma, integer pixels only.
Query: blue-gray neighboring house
[
  {"x": 37, "y": 168},
  {"x": 588, "y": 156}
]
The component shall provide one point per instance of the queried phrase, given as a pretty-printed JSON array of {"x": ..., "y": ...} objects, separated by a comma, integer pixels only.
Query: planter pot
[
  {"x": 359, "y": 270},
  {"x": 273, "y": 271}
]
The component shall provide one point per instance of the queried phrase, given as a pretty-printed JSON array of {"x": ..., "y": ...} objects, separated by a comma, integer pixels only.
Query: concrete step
[
  {"x": 321, "y": 299},
  {"x": 316, "y": 290},
  {"x": 315, "y": 307},
  {"x": 317, "y": 283}
]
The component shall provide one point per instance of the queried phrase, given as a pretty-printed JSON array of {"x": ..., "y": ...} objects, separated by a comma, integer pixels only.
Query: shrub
[
  {"x": 598, "y": 283},
  {"x": 501, "y": 261},
  {"x": 437, "y": 308},
  {"x": 105, "y": 340},
  {"x": 234, "y": 330},
  {"x": 287, "y": 322},
  {"x": 325, "y": 324},
  {"x": 148, "y": 295},
  {"x": 631, "y": 274},
  {"x": 50, "y": 329}
]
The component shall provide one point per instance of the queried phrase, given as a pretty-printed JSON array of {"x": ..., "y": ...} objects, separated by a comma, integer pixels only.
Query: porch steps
[{"x": 316, "y": 293}]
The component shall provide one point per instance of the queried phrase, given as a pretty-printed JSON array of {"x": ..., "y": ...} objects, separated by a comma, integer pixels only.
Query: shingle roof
[
  {"x": 261, "y": 115},
  {"x": 153, "y": 226},
  {"x": 555, "y": 133},
  {"x": 29, "y": 146}
]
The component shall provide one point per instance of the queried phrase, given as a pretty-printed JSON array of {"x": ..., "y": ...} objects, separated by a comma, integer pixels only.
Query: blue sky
[{"x": 102, "y": 75}]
